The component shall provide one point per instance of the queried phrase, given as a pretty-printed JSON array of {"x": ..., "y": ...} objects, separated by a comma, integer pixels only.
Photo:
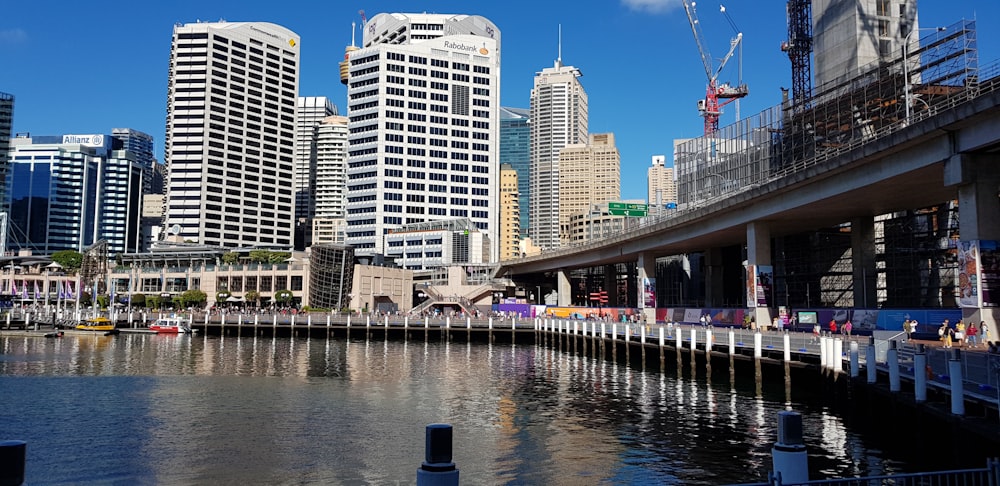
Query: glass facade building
[
  {"x": 515, "y": 149},
  {"x": 6, "y": 124},
  {"x": 331, "y": 275}
]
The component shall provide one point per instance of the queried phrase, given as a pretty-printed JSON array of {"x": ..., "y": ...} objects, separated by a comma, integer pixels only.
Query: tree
[
  {"x": 193, "y": 298},
  {"x": 252, "y": 296},
  {"x": 283, "y": 296},
  {"x": 69, "y": 259},
  {"x": 267, "y": 256},
  {"x": 221, "y": 296},
  {"x": 102, "y": 301},
  {"x": 153, "y": 302},
  {"x": 138, "y": 300},
  {"x": 231, "y": 258}
]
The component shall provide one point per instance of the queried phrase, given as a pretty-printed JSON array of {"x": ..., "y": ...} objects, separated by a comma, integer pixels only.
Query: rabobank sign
[
  {"x": 88, "y": 140},
  {"x": 461, "y": 46}
]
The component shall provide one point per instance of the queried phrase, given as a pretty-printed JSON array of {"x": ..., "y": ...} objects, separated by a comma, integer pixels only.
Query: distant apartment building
[
  {"x": 589, "y": 174},
  {"x": 330, "y": 183},
  {"x": 662, "y": 188},
  {"x": 515, "y": 150},
  {"x": 558, "y": 118},
  {"x": 596, "y": 222},
  {"x": 438, "y": 243},
  {"x": 510, "y": 212},
  {"x": 230, "y": 137},
  {"x": 67, "y": 192},
  {"x": 311, "y": 111},
  {"x": 423, "y": 95}
]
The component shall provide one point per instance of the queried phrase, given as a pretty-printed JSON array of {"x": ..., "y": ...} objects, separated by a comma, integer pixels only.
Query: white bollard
[
  {"x": 957, "y": 391},
  {"x": 447, "y": 322},
  {"x": 604, "y": 331},
  {"x": 327, "y": 320},
  {"x": 678, "y": 340},
  {"x": 368, "y": 321},
  {"x": 628, "y": 333},
  {"x": 870, "y": 370},
  {"x": 708, "y": 340},
  {"x": 789, "y": 457},
  {"x": 892, "y": 359},
  {"x": 732, "y": 342},
  {"x": 661, "y": 337},
  {"x": 349, "y": 319},
  {"x": 468, "y": 323},
  {"x": 406, "y": 322},
  {"x": 491, "y": 323},
  {"x": 206, "y": 319},
  {"x": 822, "y": 352},
  {"x": 855, "y": 366},
  {"x": 386, "y": 323},
  {"x": 919, "y": 374},
  {"x": 614, "y": 332},
  {"x": 256, "y": 320},
  {"x": 427, "y": 322},
  {"x": 694, "y": 338},
  {"x": 576, "y": 327},
  {"x": 838, "y": 355},
  {"x": 757, "y": 353},
  {"x": 788, "y": 347},
  {"x": 239, "y": 320},
  {"x": 309, "y": 320},
  {"x": 293, "y": 320}
]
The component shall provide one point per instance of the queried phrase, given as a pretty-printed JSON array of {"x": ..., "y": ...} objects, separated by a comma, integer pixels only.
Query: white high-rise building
[
  {"x": 331, "y": 181},
  {"x": 230, "y": 137},
  {"x": 558, "y": 118},
  {"x": 661, "y": 184},
  {"x": 423, "y": 103},
  {"x": 312, "y": 110}
]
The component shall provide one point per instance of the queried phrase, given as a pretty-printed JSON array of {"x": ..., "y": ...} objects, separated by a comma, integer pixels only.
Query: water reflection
[{"x": 182, "y": 409}]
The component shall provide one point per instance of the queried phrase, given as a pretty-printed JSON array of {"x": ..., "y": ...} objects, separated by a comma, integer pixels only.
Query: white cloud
[
  {"x": 652, "y": 6},
  {"x": 13, "y": 36}
]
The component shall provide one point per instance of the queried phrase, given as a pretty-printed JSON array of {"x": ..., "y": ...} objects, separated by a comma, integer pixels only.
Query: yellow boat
[{"x": 97, "y": 324}]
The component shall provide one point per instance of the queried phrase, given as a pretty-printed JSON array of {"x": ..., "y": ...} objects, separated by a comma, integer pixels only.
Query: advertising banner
[
  {"x": 968, "y": 273},
  {"x": 751, "y": 286},
  {"x": 765, "y": 277},
  {"x": 989, "y": 272},
  {"x": 649, "y": 293}
]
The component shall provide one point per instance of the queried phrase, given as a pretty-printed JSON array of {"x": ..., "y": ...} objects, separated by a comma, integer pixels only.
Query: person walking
[
  {"x": 847, "y": 328},
  {"x": 972, "y": 335},
  {"x": 960, "y": 334},
  {"x": 985, "y": 330},
  {"x": 907, "y": 329}
]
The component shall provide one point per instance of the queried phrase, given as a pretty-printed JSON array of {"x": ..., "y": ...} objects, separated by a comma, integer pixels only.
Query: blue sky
[{"x": 88, "y": 67}]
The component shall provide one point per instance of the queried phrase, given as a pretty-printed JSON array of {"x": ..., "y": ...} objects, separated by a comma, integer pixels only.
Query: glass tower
[{"x": 515, "y": 149}]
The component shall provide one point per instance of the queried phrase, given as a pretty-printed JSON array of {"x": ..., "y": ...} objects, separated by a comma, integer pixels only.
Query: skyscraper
[
  {"x": 312, "y": 110},
  {"x": 510, "y": 211},
  {"x": 6, "y": 124},
  {"x": 558, "y": 118},
  {"x": 589, "y": 174},
  {"x": 515, "y": 149},
  {"x": 229, "y": 145},
  {"x": 661, "y": 184},
  {"x": 331, "y": 180},
  {"x": 424, "y": 126},
  {"x": 69, "y": 191}
]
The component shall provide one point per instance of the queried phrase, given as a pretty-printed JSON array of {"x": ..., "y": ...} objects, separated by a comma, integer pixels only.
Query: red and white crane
[{"x": 710, "y": 107}]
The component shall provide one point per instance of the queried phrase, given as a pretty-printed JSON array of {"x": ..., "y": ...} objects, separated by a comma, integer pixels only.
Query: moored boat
[
  {"x": 170, "y": 325},
  {"x": 96, "y": 324}
]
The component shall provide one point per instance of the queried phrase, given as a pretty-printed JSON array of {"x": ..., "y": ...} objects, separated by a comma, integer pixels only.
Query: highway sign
[{"x": 627, "y": 209}]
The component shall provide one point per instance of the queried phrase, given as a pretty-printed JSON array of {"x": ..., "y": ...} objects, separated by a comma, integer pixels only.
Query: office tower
[
  {"x": 515, "y": 149},
  {"x": 6, "y": 124},
  {"x": 311, "y": 112},
  {"x": 331, "y": 181},
  {"x": 662, "y": 186},
  {"x": 81, "y": 189},
  {"x": 230, "y": 137},
  {"x": 589, "y": 174},
  {"x": 510, "y": 213},
  {"x": 848, "y": 37},
  {"x": 423, "y": 95},
  {"x": 558, "y": 118}
]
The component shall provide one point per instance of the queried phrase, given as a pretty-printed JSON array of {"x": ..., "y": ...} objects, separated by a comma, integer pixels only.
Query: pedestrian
[
  {"x": 972, "y": 335},
  {"x": 816, "y": 331},
  {"x": 985, "y": 330},
  {"x": 848, "y": 327},
  {"x": 776, "y": 324},
  {"x": 949, "y": 334},
  {"x": 833, "y": 326},
  {"x": 907, "y": 329},
  {"x": 960, "y": 334}
]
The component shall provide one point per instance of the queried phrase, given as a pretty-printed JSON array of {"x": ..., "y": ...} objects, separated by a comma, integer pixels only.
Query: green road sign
[{"x": 637, "y": 210}]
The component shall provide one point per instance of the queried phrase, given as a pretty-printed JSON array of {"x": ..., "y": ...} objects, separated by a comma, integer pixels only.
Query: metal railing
[{"x": 987, "y": 476}]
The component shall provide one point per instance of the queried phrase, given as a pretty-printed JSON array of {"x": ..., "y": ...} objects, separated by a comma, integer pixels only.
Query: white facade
[
  {"x": 310, "y": 112},
  {"x": 328, "y": 224},
  {"x": 230, "y": 136},
  {"x": 661, "y": 184},
  {"x": 558, "y": 119},
  {"x": 436, "y": 244},
  {"x": 423, "y": 102}
]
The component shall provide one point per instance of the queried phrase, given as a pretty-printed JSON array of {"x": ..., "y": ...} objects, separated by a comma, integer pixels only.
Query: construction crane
[
  {"x": 710, "y": 107},
  {"x": 799, "y": 48}
]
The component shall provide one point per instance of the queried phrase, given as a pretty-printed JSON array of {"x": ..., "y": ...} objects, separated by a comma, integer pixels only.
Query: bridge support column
[
  {"x": 646, "y": 269},
  {"x": 758, "y": 259},
  {"x": 564, "y": 294},
  {"x": 863, "y": 262},
  {"x": 978, "y": 184}
]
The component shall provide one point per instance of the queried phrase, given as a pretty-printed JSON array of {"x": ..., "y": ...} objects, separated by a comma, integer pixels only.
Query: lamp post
[{"x": 907, "y": 90}]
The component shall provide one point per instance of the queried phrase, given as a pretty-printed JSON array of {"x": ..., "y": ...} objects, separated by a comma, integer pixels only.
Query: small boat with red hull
[{"x": 170, "y": 325}]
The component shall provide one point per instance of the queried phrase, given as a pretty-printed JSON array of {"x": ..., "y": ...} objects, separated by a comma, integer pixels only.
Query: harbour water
[{"x": 154, "y": 409}]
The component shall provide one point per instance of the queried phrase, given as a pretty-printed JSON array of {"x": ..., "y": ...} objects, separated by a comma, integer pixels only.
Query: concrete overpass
[{"x": 951, "y": 151}]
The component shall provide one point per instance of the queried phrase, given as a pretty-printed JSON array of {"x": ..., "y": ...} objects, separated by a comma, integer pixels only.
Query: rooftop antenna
[
  {"x": 559, "y": 44},
  {"x": 354, "y": 28}
]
